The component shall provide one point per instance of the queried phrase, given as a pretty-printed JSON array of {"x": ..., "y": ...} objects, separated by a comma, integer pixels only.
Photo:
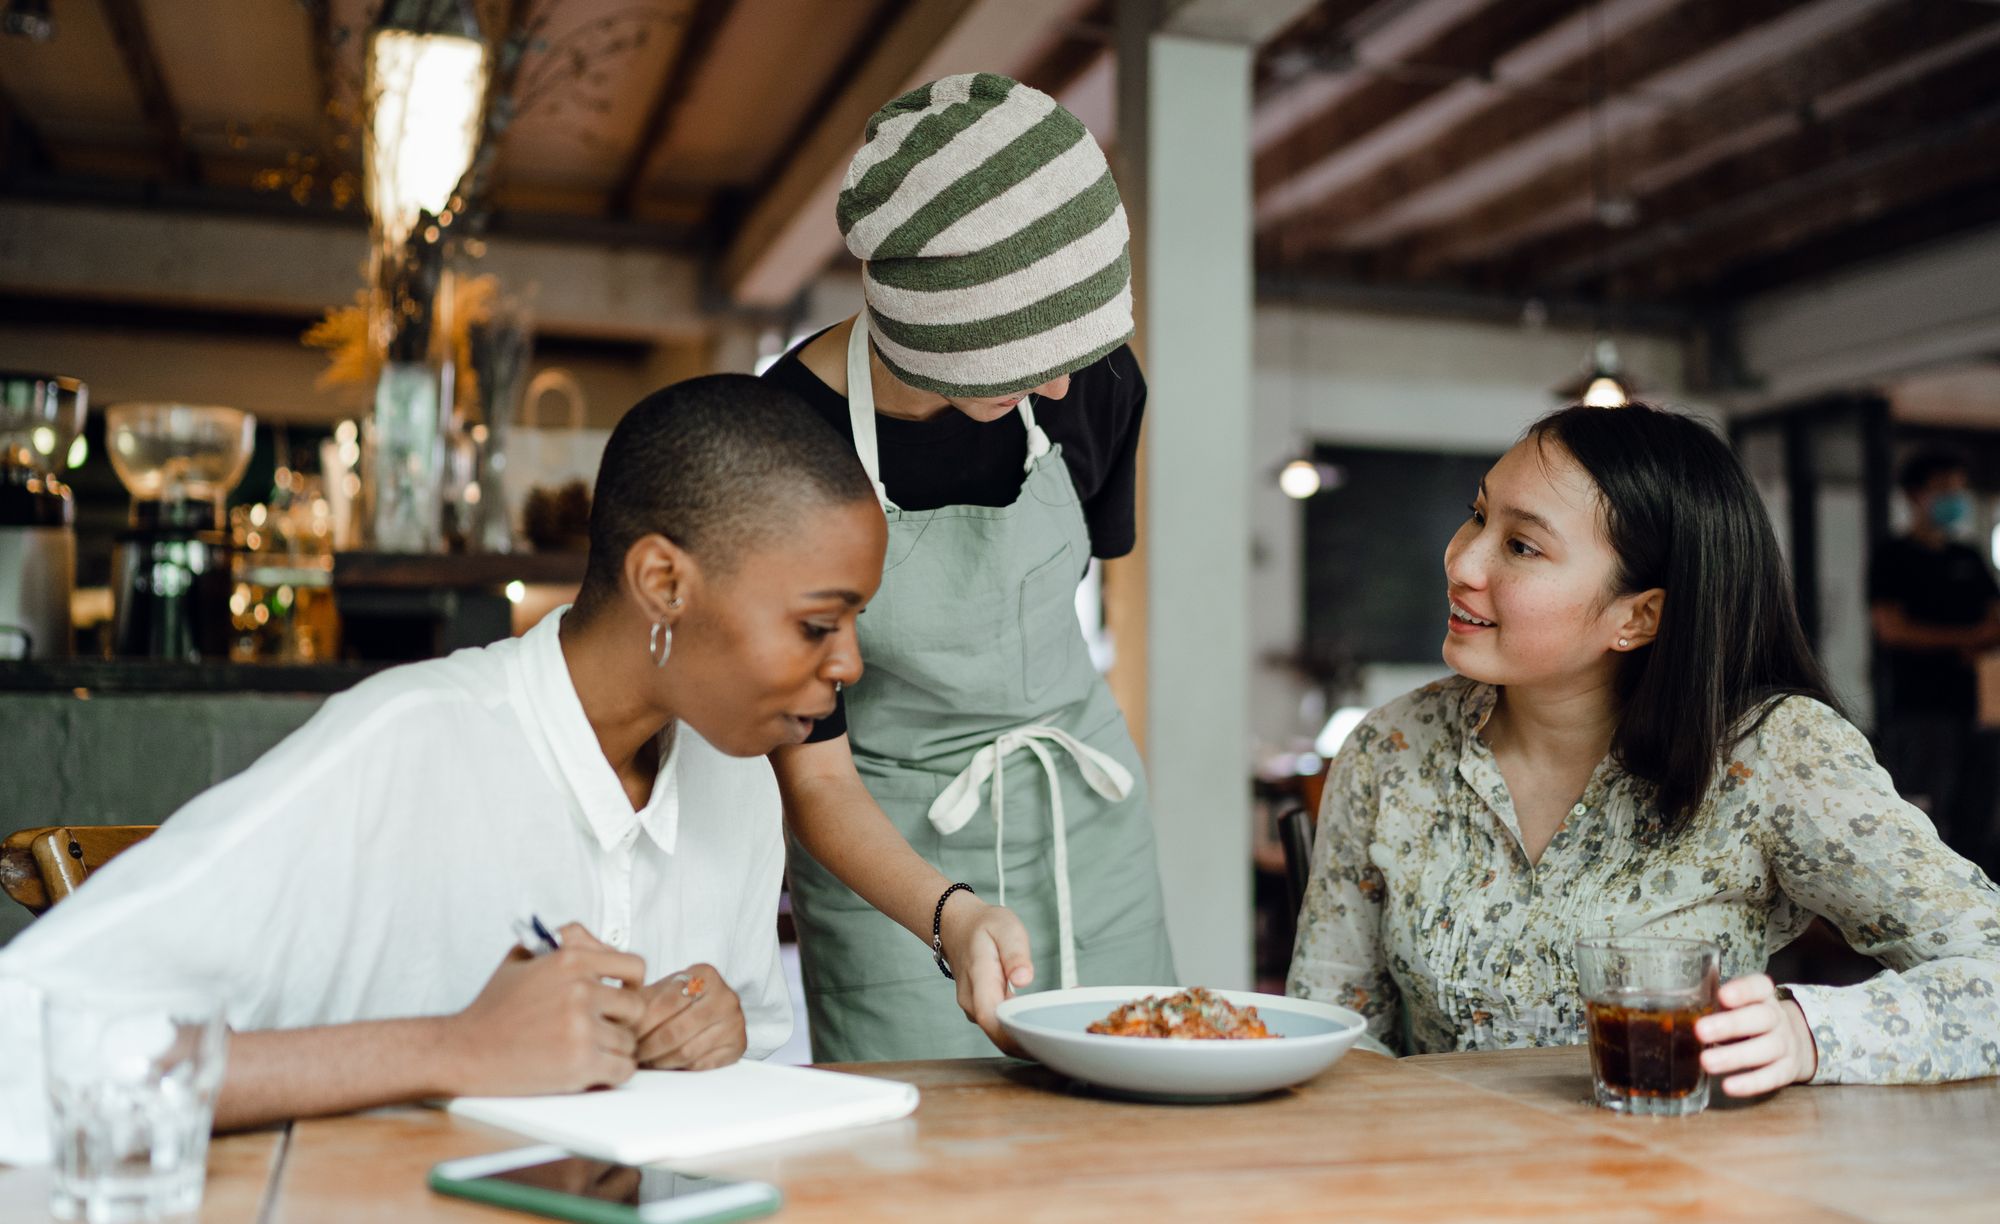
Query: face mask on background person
[{"x": 1951, "y": 512}]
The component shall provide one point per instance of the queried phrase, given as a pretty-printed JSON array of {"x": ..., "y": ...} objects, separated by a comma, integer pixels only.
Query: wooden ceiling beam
[
  {"x": 705, "y": 20},
  {"x": 274, "y": 264},
  {"x": 1833, "y": 154},
  {"x": 1813, "y": 207},
  {"x": 1308, "y": 70},
  {"x": 1756, "y": 110},
  {"x": 1389, "y": 92},
  {"x": 1971, "y": 205},
  {"x": 1318, "y": 41},
  {"x": 1527, "y": 71},
  {"x": 1251, "y": 22},
  {"x": 1078, "y": 50},
  {"x": 156, "y": 103},
  {"x": 1683, "y": 54}
]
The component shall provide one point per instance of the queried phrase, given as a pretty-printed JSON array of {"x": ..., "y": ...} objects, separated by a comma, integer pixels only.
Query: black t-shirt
[
  {"x": 953, "y": 460},
  {"x": 1943, "y": 588}
]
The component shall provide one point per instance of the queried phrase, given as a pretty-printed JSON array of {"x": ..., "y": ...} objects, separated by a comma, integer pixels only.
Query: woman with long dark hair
[{"x": 1638, "y": 741}]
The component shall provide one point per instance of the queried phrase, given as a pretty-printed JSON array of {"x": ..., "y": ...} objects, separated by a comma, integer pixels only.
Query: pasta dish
[{"x": 1195, "y": 1014}]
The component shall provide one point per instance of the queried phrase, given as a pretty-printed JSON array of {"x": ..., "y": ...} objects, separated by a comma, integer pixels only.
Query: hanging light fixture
[
  {"x": 1303, "y": 478},
  {"x": 426, "y": 83},
  {"x": 1602, "y": 383},
  {"x": 1605, "y": 391},
  {"x": 1299, "y": 479}
]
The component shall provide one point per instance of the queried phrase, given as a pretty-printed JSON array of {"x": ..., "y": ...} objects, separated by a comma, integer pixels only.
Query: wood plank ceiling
[
  {"x": 1648, "y": 151},
  {"x": 1651, "y": 150}
]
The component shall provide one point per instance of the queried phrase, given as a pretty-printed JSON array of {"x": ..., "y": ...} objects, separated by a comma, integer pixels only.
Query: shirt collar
[
  {"x": 551, "y": 706},
  {"x": 1476, "y": 709},
  {"x": 1479, "y": 769}
]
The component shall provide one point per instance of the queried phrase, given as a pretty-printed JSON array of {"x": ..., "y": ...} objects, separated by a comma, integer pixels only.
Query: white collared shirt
[{"x": 371, "y": 866}]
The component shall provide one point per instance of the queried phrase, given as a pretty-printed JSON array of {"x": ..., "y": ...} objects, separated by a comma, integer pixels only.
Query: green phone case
[{"x": 555, "y": 1204}]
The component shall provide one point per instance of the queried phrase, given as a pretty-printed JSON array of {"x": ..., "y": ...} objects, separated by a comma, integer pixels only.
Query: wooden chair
[
  {"x": 1296, "y": 827},
  {"x": 1294, "y": 803},
  {"x": 39, "y": 867}
]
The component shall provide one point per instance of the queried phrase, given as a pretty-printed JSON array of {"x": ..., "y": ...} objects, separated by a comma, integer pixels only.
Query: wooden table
[{"x": 1457, "y": 1137}]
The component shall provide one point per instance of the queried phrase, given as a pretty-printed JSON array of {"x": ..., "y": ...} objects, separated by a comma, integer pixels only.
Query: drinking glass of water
[{"x": 132, "y": 1081}]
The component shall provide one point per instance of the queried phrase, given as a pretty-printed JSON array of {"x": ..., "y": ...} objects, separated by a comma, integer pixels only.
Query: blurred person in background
[{"x": 1936, "y": 608}]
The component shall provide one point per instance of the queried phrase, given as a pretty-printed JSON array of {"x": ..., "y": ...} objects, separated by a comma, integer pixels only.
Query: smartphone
[{"x": 549, "y": 1181}]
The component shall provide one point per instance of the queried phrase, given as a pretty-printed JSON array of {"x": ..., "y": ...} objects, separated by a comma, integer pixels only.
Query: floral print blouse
[{"x": 1425, "y": 915}]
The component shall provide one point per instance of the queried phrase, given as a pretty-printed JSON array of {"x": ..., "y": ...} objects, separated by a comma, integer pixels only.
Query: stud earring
[
  {"x": 1624, "y": 643},
  {"x": 662, "y": 643}
]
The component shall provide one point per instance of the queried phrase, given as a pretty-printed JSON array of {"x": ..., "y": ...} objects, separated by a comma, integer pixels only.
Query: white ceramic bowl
[{"x": 1051, "y": 1027}]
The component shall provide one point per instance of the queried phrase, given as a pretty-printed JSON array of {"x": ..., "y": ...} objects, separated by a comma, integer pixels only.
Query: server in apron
[{"x": 991, "y": 397}]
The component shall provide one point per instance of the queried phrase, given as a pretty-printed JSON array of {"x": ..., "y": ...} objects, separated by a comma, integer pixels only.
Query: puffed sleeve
[{"x": 1844, "y": 845}]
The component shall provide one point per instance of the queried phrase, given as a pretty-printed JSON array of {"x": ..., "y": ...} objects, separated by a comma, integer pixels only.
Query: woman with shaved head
[{"x": 351, "y": 898}]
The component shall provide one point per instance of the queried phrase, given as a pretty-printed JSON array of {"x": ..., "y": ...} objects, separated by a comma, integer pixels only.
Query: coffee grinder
[
  {"x": 170, "y": 576},
  {"x": 40, "y": 418}
]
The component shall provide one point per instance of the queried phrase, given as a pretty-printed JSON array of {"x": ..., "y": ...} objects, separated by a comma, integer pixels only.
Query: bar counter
[{"x": 97, "y": 741}]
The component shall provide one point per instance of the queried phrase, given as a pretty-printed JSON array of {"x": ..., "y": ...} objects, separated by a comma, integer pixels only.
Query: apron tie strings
[
  {"x": 1038, "y": 442},
  {"x": 859, "y": 375},
  {"x": 960, "y": 802}
]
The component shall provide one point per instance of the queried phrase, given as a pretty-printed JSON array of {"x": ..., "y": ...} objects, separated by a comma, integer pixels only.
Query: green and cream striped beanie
[{"x": 994, "y": 242}]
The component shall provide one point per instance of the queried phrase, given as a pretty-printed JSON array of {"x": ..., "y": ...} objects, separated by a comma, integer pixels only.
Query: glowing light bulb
[
  {"x": 1300, "y": 479},
  {"x": 1604, "y": 392}
]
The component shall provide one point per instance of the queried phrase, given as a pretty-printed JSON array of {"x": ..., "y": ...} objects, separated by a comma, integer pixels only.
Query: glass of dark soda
[{"x": 1642, "y": 997}]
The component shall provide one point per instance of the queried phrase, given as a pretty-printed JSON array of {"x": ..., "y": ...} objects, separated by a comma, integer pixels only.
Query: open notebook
[{"x": 677, "y": 1115}]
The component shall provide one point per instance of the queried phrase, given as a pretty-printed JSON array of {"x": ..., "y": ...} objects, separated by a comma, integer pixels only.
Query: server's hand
[{"x": 987, "y": 949}]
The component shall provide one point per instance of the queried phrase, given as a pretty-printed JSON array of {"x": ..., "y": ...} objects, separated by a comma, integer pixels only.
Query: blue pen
[
  {"x": 535, "y": 937},
  {"x": 540, "y": 941}
]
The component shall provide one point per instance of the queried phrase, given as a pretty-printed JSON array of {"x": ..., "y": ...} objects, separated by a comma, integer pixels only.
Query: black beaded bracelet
[{"x": 937, "y": 929}]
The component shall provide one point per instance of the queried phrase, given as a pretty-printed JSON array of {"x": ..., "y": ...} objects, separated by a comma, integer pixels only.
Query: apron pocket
[{"x": 1049, "y": 628}]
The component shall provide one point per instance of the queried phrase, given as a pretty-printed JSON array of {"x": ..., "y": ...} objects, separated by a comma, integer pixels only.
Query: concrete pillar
[{"x": 1185, "y": 170}]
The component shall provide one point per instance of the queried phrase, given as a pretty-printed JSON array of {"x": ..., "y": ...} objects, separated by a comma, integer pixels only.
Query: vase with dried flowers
[
  {"x": 436, "y": 100},
  {"x": 426, "y": 90},
  {"x": 499, "y": 344}
]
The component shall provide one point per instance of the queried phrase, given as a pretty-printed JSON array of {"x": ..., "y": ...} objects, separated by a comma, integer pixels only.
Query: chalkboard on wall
[{"x": 1374, "y": 552}]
